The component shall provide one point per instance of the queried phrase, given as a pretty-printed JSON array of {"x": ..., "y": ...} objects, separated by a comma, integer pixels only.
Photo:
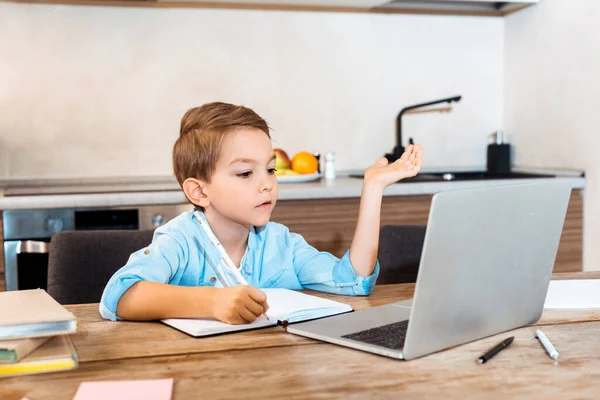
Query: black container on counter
[{"x": 498, "y": 155}]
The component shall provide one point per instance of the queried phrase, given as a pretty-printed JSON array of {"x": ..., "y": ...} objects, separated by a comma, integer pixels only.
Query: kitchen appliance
[
  {"x": 415, "y": 109},
  {"x": 27, "y": 234}
]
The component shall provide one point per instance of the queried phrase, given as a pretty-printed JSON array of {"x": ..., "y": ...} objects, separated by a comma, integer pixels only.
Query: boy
[{"x": 225, "y": 164}]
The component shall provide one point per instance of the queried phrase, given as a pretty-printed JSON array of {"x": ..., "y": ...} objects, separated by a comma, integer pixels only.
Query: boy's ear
[{"x": 195, "y": 191}]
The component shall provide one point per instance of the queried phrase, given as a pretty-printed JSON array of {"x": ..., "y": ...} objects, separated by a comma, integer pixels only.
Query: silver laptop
[{"x": 485, "y": 268}]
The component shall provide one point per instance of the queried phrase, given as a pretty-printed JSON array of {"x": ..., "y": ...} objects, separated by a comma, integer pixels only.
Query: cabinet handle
[{"x": 32, "y": 246}]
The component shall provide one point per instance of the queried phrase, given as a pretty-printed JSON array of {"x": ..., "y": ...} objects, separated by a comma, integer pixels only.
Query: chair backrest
[
  {"x": 81, "y": 262},
  {"x": 399, "y": 255}
]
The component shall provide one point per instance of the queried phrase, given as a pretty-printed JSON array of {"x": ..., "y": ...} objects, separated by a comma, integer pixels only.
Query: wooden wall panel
[
  {"x": 328, "y": 224},
  {"x": 570, "y": 251}
]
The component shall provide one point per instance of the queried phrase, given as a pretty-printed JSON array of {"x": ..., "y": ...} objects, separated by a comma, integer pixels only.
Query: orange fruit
[{"x": 305, "y": 163}]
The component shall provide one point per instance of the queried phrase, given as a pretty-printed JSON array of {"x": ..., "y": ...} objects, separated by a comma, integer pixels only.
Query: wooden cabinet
[
  {"x": 328, "y": 224},
  {"x": 2, "y": 280}
]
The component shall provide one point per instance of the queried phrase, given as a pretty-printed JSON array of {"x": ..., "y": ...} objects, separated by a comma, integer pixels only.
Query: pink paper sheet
[{"x": 155, "y": 389}]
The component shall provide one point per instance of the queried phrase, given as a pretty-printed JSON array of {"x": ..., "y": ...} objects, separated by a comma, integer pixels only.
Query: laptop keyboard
[{"x": 390, "y": 336}]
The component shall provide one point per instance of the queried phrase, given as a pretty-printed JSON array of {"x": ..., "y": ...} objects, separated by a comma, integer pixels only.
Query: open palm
[{"x": 408, "y": 165}]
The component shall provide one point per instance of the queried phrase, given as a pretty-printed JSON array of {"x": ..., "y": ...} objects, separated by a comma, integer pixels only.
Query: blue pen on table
[
  {"x": 226, "y": 267},
  {"x": 552, "y": 352},
  {"x": 495, "y": 350}
]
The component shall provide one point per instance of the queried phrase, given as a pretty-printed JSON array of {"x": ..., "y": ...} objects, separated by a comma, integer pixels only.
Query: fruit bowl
[
  {"x": 299, "y": 178},
  {"x": 303, "y": 167}
]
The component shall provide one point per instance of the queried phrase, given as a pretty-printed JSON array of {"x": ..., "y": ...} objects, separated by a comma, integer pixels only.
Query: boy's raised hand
[
  {"x": 408, "y": 165},
  {"x": 239, "y": 304}
]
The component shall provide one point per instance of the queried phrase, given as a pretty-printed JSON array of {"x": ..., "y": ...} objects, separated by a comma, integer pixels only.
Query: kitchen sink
[{"x": 452, "y": 176}]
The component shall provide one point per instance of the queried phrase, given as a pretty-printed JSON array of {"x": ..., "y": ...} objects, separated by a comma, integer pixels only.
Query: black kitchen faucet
[{"x": 399, "y": 149}]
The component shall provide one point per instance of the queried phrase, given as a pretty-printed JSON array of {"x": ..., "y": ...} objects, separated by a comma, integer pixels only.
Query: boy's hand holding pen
[{"x": 237, "y": 302}]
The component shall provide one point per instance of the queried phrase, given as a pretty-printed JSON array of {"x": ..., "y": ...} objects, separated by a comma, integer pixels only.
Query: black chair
[
  {"x": 400, "y": 248},
  {"x": 80, "y": 263}
]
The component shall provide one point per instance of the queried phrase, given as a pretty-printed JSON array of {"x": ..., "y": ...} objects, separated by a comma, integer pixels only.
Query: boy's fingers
[
  {"x": 418, "y": 162},
  {"x": 237, "y": 320},
  {"x": 257, "y": 295},
  {"x": 382, "y": 162},
  {"x": 420, "y": 151},
  {"x": 419, "y": 159},
  {"x": 407, "y": 153},
  {"x": 254, "y": 307},
  {"x": 412, "y": 155},
  {"x": 247, "y": 315},
  {"x": 415, "y": 158}
]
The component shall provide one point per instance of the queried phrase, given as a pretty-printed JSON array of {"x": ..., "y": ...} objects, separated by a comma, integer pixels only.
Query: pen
[
  {"x": 495, "y": 350},
  {"x": 547, "y": 344},
  {"x": 225, "y": 259}
]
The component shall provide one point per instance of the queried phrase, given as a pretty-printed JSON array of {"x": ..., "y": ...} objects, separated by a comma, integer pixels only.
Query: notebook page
[
  {"x": 578, "y": 294},
  {"x": 206, "y": 327},
  {"x": 284, "y": 304}
]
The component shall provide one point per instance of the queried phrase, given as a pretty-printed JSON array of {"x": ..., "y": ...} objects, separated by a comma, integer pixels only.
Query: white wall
[
  {"x": 552, "y": 96},
  {"x": 99, "y": 91}
]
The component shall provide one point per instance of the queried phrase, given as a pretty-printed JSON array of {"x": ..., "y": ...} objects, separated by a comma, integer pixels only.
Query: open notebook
[{"x": 284, "y": 305}]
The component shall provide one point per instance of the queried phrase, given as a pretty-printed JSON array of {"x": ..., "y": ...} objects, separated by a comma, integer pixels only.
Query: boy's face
[{"x": 243, "y": 187}]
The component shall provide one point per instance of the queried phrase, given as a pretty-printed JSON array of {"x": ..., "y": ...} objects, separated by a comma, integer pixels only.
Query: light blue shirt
[{"x": 181, "y": 254}]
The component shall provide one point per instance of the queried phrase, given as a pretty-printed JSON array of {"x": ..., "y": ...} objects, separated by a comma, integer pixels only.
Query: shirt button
[
  {"x": 213, "y": 279},
  {"x": 146, "y": 251}
]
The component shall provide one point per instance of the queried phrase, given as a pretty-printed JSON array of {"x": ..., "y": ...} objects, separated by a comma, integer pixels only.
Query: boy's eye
[
  {"x": 271, "y": 171},
  {"x": 245, "y": 174}
]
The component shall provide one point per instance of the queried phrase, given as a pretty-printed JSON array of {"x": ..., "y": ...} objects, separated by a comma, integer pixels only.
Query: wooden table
[{"x": 270, "y": 363}]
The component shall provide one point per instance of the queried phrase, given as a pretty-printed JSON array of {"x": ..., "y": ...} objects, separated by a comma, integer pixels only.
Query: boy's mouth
[{"x": 264, "y": 204}]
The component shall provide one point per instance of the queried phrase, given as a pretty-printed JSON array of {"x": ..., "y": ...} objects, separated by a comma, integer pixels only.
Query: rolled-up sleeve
[
  {"x": 325, "y": 272},
  {"x": 159, "y": 262}
]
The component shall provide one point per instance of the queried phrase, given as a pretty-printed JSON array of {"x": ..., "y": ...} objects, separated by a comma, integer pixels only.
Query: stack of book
[{"x": 34, "y": 334}]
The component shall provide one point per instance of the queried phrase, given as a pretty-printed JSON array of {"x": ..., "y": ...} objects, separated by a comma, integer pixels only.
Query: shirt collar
[{"x": 247, "y": 263}]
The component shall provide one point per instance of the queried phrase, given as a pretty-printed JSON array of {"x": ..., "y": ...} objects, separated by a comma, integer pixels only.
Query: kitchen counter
[
  {"x": 335, "y": 202},
  {"x": 118, "y": 192}
]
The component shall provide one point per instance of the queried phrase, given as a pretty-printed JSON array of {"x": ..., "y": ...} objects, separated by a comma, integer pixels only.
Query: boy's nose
[{"x": 267, "y": 187}]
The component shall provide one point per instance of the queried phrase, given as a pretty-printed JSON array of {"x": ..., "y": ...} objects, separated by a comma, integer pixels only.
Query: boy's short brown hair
[{"x": 201, "y": 134}]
